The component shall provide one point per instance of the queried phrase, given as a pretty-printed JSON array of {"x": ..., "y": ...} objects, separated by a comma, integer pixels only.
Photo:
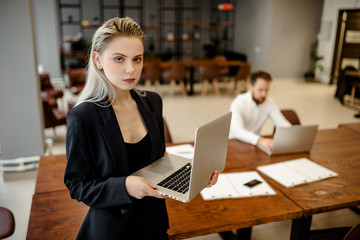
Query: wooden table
[
  {"x": 353, "y": 126},
  {"x": 54, "y": 215},
  {"x": 336, "y": 149},
  {"x": 50, "y": 177}
]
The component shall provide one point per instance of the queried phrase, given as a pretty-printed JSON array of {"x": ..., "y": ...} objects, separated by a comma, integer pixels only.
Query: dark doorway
[{"x": 347, "y": 44}]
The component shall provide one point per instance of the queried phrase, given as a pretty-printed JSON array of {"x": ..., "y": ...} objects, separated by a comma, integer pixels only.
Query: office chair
[
  {"x": 76, "y": 80},
  {"x": 52, "y": 116},
  {"x": 152, "y": 74},
  {"x": 177, "y": 74},
  {"x": 291, "y": 116},
  {"x": 342, "y": 233},
  {"x": 7, "y": 223},
  {"x": 47, "y": 89},
  {"x": 223, "y": 70},
  {"x": 354, "y": 233},
  {"x": 239, "y": 82},
  {"x": 210, "y": 74}
]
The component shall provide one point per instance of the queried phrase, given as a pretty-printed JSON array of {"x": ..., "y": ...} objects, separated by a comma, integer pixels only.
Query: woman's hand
[
  {"x": 214, "y": 178},
  {"x": 138, "y": 187}
]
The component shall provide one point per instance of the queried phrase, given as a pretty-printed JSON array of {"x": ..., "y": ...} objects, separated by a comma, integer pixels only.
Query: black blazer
[{"x": 97, "y": 166}]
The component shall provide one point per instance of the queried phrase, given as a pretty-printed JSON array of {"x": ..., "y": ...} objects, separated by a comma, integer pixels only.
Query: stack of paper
[
  {"x": 184, "y": 150},
  {"x": 232, "y": 185},
  {"x": 295, "y": 172}
]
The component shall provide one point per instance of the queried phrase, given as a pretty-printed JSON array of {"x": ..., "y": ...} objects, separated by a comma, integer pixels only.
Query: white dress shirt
[{"x": 248, "y": 118}]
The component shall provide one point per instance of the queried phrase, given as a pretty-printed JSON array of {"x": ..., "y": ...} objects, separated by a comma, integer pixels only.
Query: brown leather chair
[
  {"x": 344, "y": 233},
  {"x": 152, "y": 74},
  {"x": 291, "y": 116},
  {"x": 47, "y": 89},
  {"x": 354, "y": 233},
  {"x": 177, "y": 74},
  {"x": 223, "y": 70},
  {"x": 77, "y": 78},
  {"x": 210, "y": 74},
  {"x": 239, "y": 82},
  {"x": 7, "y": 223},
  {"x": 52, "y": 116}
]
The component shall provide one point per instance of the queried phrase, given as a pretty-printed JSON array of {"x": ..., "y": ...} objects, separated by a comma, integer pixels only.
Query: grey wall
[
  {"x": 20, "y": 120},
  {"x": 276, "y": 35},
  {"x": 253, "y": 26},
  {"x": 295, "y": 27},
  {"x": 47, "y": 36}
]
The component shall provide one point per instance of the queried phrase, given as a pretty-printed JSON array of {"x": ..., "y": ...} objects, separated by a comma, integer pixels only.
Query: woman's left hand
[{"x": 214, "y": 178}]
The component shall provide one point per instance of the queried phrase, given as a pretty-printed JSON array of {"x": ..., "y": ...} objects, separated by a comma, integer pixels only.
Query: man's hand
[
  {"x": 138, "y": 187},
  {"x": 265, "y": 142}
]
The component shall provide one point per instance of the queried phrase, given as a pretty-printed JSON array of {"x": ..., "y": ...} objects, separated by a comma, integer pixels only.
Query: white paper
[
  {"x": 295, "y": 172},
  {"x": 231, "y": 185},
  {"x": 184, "y": 150}
]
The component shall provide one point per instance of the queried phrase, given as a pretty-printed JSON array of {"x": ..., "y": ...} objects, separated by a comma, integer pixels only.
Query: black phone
[{"x": 252, "y": 183}]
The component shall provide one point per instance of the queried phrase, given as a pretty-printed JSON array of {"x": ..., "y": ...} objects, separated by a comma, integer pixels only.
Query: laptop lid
[
  {"x": 293, "y": 139},
  {"x": 210, "y": 150}
]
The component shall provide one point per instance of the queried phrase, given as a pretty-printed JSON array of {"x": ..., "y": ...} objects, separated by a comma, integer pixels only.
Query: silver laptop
[
  {"x": 211, "y": 141},
  {"x": 293, "y": 139}
]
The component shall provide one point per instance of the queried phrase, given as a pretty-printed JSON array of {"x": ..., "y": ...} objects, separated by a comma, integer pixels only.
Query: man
[{"x": 251, "y": 109}]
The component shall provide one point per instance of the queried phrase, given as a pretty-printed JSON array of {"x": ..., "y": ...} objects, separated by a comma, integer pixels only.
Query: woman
[{"x": 113, "y": 131}]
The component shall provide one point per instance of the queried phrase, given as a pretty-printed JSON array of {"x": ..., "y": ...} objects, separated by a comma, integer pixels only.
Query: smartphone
[{"x": 252, "y": 183}]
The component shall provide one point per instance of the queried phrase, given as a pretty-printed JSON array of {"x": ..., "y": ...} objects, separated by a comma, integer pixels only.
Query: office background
[{"x": 275, "y": 35}]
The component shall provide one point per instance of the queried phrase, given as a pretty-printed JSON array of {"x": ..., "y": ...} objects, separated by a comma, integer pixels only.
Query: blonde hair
[{"x": 98, "y": 87}]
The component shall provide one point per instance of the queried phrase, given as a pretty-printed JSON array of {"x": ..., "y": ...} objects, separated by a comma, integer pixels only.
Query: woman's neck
[{"x": 122, "y": 96}]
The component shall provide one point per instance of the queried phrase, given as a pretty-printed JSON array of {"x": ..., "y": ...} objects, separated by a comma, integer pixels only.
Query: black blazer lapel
[
  {"x": 152, "y": 125},
  {"x": 114, "y": 140}
]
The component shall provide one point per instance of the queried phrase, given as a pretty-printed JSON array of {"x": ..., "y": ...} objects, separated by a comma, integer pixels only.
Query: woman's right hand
[{"x": 139, "y": 187}]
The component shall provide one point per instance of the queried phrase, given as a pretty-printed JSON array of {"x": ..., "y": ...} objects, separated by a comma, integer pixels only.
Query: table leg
[
  {"x": 356, "y": 210},
  {"x": 241, "y": 234},
  {"x": 192, "y": 81},
  {"x": 300, "y": 228}
]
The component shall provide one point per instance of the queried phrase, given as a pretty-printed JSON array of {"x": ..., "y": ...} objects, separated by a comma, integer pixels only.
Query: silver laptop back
[
  {"x": 294, "y": 139},
  {"x": 211, "y": 141}
]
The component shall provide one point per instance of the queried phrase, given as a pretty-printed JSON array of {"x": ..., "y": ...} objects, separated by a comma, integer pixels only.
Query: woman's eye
[
  {"x": 138, "y": 60},
  {"x": 119, "y": 59}
]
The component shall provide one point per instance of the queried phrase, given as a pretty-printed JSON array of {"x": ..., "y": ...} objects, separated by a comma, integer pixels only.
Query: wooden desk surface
[
  {"x": 55, "y": 215},
  {"x": 50, "y": 177},
  {"x": 353, "y": 126},
  {"x": 201, "y": 217},
  {"x": 336, "y": 149}
]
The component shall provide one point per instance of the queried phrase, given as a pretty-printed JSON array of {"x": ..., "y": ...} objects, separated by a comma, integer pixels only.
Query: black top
[
  {"x": 139, "y": 156},
  {"x": 138, "y": 153}
]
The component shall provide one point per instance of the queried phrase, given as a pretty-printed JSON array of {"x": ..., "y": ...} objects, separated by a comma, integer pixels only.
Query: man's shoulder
[{"x": 241, "y": 97}]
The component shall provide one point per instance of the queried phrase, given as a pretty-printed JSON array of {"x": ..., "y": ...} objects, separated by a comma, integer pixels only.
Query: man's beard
[{"x": 258, "y": 101}]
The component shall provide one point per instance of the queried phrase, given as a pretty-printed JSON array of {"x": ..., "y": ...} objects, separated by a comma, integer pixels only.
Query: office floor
[{"x": 313, "y": 102}]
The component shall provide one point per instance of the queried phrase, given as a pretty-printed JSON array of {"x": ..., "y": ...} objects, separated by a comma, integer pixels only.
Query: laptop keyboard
[{"x": 179, "y": 181}]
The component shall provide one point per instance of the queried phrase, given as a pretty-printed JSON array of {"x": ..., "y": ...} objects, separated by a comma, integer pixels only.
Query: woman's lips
[{"x": 129, "y": 80}]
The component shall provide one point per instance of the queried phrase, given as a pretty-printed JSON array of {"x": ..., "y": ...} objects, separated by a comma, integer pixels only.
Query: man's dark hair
[{"x": 259, "y": 74}]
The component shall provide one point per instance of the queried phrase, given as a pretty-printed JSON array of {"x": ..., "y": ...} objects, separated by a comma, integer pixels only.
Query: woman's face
[{"x": 122, "y": 62}]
